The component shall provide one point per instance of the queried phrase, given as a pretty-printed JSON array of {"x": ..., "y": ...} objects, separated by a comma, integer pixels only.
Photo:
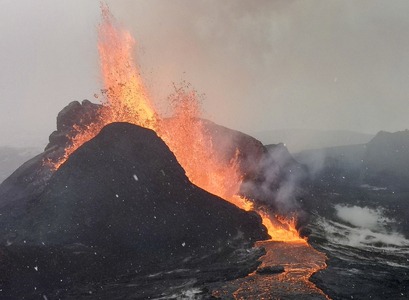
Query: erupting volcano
[
  {"x": 127, "y": 100},
  {"x": 141, "y": 196},
  {"x": 185, "y": 132},
  {"x": 145, "y": 201}
]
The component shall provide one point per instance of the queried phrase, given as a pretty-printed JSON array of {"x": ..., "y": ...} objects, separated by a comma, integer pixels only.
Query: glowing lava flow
[
  {"x": 185, "y": 134},
  {"x": 282, "y": 229}
]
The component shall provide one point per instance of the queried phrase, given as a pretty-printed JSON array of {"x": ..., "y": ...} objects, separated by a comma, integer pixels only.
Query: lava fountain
[{"x": 127, "y": 100}]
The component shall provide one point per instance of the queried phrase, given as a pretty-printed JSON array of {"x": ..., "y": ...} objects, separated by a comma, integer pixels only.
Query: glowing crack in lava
[{"x": 127, "y": 100}]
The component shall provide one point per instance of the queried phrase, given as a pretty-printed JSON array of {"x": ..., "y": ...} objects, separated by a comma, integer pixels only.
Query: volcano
[
  {"x": 120, "y": 217},
  {"x": 128, "y": 203},
  {"x": 120, "y": 204}
]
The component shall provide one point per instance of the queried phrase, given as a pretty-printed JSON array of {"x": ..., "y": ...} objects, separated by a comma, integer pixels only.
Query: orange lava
[
  {"x": 299, "y": 261},
  {"x": 127, "y": 100},
  {"x": 282, "y": 229},
  {"x": 186, "y": 136}
]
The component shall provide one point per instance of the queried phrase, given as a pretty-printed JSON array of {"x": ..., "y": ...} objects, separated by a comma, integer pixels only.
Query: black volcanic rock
[
  {"x": 75, "y": 113},
  {"x": 120, "y": 204},
  {"x": 270, "y": 270},
  {"x": 125, "y": 187}
]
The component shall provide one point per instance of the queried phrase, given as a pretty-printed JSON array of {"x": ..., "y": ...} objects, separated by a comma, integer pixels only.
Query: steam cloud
[
  {"x": 363, "y": 217},
  {"x": 369, "y": 227},
  {"x": 278, "y": 183}
]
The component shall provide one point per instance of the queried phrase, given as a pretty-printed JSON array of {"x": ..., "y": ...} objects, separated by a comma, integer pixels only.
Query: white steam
[
  {"x": 279, "y": 179},
  {"x": 363, "y": 227},
  {"x": 363, "y": 217}
]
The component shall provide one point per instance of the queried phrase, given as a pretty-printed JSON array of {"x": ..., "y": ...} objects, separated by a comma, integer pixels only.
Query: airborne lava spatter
[{"x": 127, "y": 100}]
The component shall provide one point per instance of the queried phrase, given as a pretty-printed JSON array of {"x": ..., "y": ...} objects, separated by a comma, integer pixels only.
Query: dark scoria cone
[
  {"x": 125, "y": 187},
  {"x": 121, "y": 203}
]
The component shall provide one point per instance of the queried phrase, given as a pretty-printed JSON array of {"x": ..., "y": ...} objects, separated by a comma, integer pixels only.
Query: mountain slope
[{"x": 12, "y": 157}]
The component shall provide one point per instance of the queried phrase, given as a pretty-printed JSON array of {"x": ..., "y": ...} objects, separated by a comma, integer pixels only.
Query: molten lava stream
[{"x": 299, "y": 260}]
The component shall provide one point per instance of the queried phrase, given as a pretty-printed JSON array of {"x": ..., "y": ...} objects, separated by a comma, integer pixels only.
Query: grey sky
[
  {"x": 48, "y": 57},
  {"x": 261, "y": 64}
]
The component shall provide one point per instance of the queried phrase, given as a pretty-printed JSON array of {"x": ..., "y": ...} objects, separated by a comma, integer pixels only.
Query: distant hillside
[
  {"x": 12, "y": 157},
  {"x": 335, "y": 165},
  {"x": 297, "y": 140},
  {"x": 386, "y": 160},
  {"x": 382, "y": 162}
]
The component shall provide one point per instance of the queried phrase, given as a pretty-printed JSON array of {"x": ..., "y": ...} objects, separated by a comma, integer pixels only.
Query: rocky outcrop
[
  {"x": 270, "y": 270},
  {"x": 75, "y": 114}
]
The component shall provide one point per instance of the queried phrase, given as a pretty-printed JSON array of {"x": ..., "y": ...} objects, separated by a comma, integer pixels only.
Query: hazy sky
[{"x": 262, "y": 64}]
